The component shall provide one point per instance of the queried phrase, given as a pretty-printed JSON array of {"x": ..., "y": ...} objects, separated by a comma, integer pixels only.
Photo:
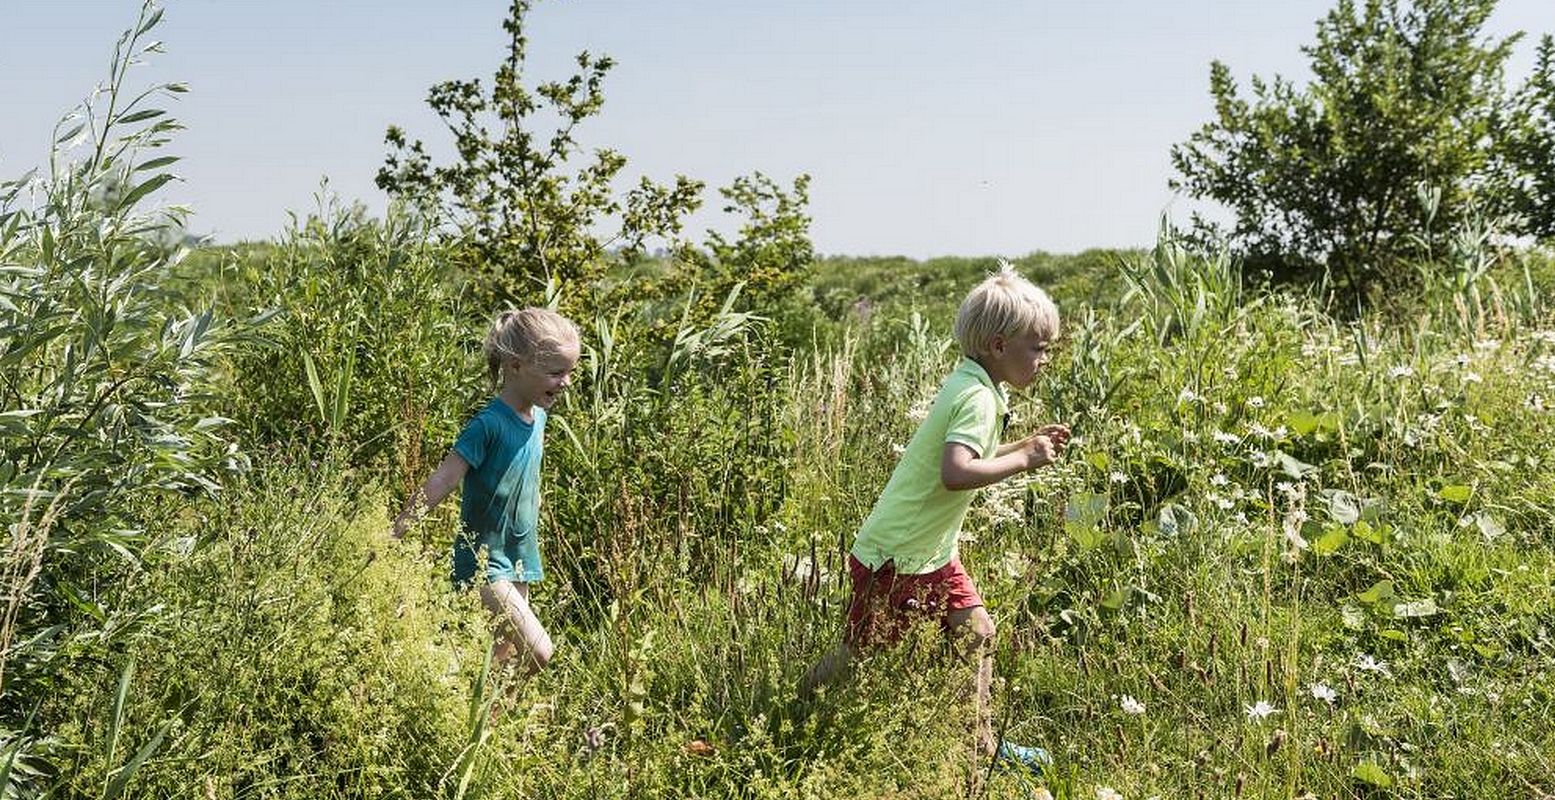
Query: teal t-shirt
[
  {"x": 500, "y": 506},
  {"x": 917, "y": 521}
]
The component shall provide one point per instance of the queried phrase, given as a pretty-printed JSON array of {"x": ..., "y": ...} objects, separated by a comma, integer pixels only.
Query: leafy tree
[
  {"x": 1406, "y": 97},
  {"x": 1528, "y": 149},
  {"x": 530, "y": 219}
]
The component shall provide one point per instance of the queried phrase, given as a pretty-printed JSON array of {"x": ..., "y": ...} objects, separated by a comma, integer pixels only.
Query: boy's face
[{"x": 1016, "y": 359}]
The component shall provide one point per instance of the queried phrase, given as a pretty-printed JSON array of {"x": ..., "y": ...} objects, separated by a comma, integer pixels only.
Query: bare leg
[
  {"x": 972, "y": 632},
  {"x": 831, "y": 667},
  {"x": 519, "y": 631}
]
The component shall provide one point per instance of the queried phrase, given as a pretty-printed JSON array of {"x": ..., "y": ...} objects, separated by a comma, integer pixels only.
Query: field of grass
[{"x": 1295, "y": 550}]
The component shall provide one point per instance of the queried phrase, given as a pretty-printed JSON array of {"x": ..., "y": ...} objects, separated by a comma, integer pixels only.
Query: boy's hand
[{"x": 1045, "y": 446}]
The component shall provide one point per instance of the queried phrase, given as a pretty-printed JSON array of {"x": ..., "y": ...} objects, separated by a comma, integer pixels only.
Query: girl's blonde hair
[
  {"x": 1004, "y": 304},
  {"x": 527, "y": 335}
]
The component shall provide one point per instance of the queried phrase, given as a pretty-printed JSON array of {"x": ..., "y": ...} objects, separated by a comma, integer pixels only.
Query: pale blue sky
[{"x": 963, "y": 127}]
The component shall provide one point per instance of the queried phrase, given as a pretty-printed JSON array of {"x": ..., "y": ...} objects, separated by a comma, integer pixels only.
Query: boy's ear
[{"x": 996, "y": 344}]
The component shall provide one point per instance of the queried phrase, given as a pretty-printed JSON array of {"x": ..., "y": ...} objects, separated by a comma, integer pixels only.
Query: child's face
[
  {"x": 540, "y": 381},
  {"x": 1016, "y": 359}
]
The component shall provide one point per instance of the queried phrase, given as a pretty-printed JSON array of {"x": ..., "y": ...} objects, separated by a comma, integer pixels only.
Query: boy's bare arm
[
  {"x": 438, "y": 486},
  {"x": 961, "y": 468}
]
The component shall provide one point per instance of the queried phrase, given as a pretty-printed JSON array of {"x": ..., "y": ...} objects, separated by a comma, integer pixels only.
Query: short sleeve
[
  {"x": 473, "y": 441},
  {"x": 973, "y": 421}
]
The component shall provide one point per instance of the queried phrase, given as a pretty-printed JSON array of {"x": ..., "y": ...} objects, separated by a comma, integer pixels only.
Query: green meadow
[{"x": 1303, "y": 544}]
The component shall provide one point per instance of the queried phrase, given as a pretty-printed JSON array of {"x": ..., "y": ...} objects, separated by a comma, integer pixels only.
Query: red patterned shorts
[{"x": 884, "y": 603}]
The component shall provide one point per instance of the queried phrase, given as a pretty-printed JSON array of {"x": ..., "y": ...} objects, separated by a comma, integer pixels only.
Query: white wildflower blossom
[
  {"x": 1131, "y": 706},
  {"x": 1365, "y": 663},
  {"x": 1108, "y": 793},
  {"x": 1041, "y": 793},
  {"x": 1485, "y": 345},
  {"x": 1548, "y": 337},
  {"x": 1401, "y": 372},
  {"x": 1219, "y": 479},
  {"x": 1322, "y": 691},
  {"x": 1472, "y": 377},
  {"x": 1221, "y": 502},
  {"x": 1226, "y": 438},
  {"x": 1260, "y": 710},
  {"x": 1117, "y": 477},
  {"x": 1186, "y": 396},
  {"x": 1462, "y": 359},
  {"x": 1535, "y": 402},
  {"x": 920, "y": 410},
  {"x": 1545, "y": 363},
  {"x": 1260, "y": 460},
  {"x": 1255, "y": 402},
  {"x": 897, "y": 449},
  {"x": 1349, "y": 360}
]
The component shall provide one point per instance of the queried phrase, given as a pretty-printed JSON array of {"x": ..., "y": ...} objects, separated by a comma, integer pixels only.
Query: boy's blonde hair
[
  {"x": 527, "y": 335},
  {"x": 1004, "y": 304}
]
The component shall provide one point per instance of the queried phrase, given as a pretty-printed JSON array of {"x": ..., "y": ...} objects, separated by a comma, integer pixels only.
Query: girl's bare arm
[{"x": 438, "y": 486}]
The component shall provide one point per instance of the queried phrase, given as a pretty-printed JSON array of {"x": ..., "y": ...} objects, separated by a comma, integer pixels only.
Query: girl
[{"x": 531, "y": 355}]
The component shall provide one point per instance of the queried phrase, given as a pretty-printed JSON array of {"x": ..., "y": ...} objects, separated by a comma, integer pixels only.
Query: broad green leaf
[
  {"x": 156, "y": 163},
  {"x": 1369, "y": 773},
  {"x": 316, "y": 387},
  {"x": 1333, "y": 538},
  {"x": 1302, "y": 422},
  {"x": 1455, "y": 493},
  {"x": 1379, "y": 591},
  {"x": 138, "y": 116}
]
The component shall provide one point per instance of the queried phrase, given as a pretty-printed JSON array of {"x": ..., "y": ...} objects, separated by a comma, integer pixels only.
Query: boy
[{"x": 904, "y": 562}]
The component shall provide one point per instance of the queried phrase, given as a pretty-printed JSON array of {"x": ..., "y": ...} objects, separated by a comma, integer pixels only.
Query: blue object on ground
[{"x": 1019, "y": 755}]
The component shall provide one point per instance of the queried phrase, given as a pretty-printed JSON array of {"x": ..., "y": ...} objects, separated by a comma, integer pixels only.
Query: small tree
[
  {"x": 1528, "y": 149},
  {"x": 1327, "y": 177},
  {"x": 529, "y": 219}
]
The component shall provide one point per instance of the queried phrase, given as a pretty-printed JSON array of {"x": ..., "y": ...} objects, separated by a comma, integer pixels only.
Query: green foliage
[
  {"x": 1322, "y": 180},
  {"x": 368, "y": 343},
  {"x": 107, "y": 389},
  {"x": 528, "y": 221}
]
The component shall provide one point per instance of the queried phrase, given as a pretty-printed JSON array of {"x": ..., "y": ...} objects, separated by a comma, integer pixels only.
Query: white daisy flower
[
  {"x": 1260, "y": 710},
  {"x": 1401, "y": 372},
  {"x": 1255, "y": 402},
  {"x": 1322, "y": 691},
  {"x": 1131, "y": 706}
]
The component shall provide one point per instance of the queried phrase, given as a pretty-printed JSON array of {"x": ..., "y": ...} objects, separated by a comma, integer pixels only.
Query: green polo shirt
[{"x": 917, "y": 520}]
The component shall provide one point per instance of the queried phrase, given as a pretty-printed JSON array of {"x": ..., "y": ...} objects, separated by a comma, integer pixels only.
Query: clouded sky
[{"x": 965, "y": 127}]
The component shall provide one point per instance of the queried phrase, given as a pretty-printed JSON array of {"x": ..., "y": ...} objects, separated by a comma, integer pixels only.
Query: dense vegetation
[{"x": 1292, "y": 552}]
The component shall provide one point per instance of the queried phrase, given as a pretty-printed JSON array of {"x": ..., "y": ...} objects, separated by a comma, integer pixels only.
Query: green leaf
[
  {"x": 147, "y": 187},
  {"x": 139, "y": 116},
  {"x": 343, "y": 391},
  {"x": 316, "y": 387},
  {"x": 1332, "y": 539},
  {"x": 123, "y": 774},
  {"x": 1379, "y": 591},
  {"x": 1302, "y": 422},
  {"x": 156, "y": 163},
  {"x": 1370, "y": 773},
  {"x": 1455, "y": 493}
]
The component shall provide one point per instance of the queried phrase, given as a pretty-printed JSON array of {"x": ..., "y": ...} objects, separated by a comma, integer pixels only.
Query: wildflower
[
  {"x": 1108, "y": 793},
  {"x": 1472, "y": 377},
  {"x": 1401, "y": 372},
  {"x": 1041, "y": 793},
  {"x": 1487, "y": 344},
  {"x": 920, "y": 410},
  {"x": 1366, "y": 663},
  {"x": 898, "y": 449},
  {"x": 1186, "y": 396},
  {"x": 1292, "y": 524},
  {"x": 1548, "y": 337},
  {"x": 1218, "y": 479},
  {"x": 1258, "y": 430},
  {"x": 1461, "y": 359},
  {"x": 1255, "y": 402},
  {"x": 1322, "y": 691},
  {"x": 1226, "y": 438},
  {"x": 1131, "y": 706},
  {"x": 1535, "y": 402},
  {"x": 1260, "y": 460},
  {"x": 1260, "y": 710},
  {"x": 1545, "y": 363},
  {"x": 1117, "y": 477},
  {"x": 1290, "y": 490}
]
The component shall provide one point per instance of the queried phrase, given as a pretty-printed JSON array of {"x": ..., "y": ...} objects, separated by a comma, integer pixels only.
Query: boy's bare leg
[
  {"x": 972, "y": 632},
  {"x": 519, "y": 632},
  {"x": 826, "y": 671}
]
